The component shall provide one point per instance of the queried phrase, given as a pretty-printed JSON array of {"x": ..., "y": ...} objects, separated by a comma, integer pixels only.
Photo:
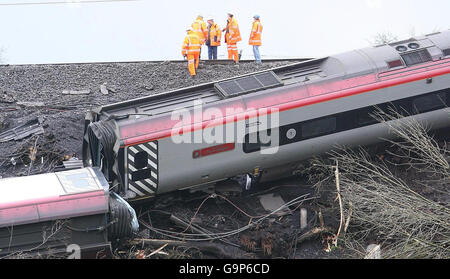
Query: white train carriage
[{"x": 69, "y": 212}]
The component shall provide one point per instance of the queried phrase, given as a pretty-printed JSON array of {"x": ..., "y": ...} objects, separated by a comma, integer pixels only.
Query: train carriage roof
[{"x": 312, "y": 79}]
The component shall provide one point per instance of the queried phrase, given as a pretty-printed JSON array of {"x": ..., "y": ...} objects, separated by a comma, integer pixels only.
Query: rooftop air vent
[
  {"x": 413, "y": 45},
  {"x": 248, "y": 84},
  {"x": 401, "y": 48},
  {"x": 416, "y": 57}
]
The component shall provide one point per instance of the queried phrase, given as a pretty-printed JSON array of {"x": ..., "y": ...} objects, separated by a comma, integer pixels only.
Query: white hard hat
[
  {"x": 189, "y": 28},
  {"x": 210, "y": 17}
]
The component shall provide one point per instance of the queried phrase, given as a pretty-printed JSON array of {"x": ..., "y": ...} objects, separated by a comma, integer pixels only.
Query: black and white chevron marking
[{"x": 149, "y": 184}]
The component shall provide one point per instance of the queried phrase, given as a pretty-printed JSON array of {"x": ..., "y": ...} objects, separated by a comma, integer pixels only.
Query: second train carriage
[{"x": 260, "y": 124}]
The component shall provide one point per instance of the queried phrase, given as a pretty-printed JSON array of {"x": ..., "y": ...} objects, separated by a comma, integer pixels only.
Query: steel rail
[{"x": 219, "y": 61}]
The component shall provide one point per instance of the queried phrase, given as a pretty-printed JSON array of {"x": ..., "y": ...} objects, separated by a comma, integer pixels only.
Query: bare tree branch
[{"x": 384, "y": 208}]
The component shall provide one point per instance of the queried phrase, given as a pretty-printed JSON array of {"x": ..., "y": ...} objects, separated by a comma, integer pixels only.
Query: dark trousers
[{"x": 212, "y": 52}]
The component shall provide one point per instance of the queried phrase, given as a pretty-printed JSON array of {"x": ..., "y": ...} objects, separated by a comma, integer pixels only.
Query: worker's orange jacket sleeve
[
  {"x": 255, "y": 35},
  {"x": 185, "y": 46},
  {"x": 204, "y": 30}
]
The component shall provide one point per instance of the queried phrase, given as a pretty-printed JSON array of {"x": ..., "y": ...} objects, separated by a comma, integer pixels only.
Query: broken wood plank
[
  {"x": 157, "y": 251},
  {"x": 313, "y": 232},
  {"x": 31, "y": 104},
  {"x": 303, "y": 218},
  {"x": 76, "y": 92},
  {"x": 157, "y": 242},
  {"x": 222, "y": 251}
]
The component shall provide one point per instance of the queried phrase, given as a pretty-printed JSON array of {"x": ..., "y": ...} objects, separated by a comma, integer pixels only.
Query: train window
[
  {"x": 429, "y": 103},
  {"x": 254, "y": 142},
  {"x": 318, "y": 127},
  {"x": 141, "y": 160},
  {"x": 345, "y": 121},
  {"x": 141, "y": 174},
  {"x": 395, "y": 63},
  {"x": 364, "y": 117},
  {"x": 446, "y": 52}
]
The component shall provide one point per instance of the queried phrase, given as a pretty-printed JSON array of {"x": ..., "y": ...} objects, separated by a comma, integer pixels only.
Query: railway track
[{"x": 209, "y": 62}]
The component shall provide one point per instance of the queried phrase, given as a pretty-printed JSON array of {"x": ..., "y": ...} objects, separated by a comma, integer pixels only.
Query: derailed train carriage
[
  {"x": 69, "y": 213},
  {"x": 266, "y": 121}
]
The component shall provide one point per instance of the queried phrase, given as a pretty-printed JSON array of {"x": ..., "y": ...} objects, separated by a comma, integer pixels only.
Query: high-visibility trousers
[
  {"x": 233, "y": 52},
  {"x": 193, "y": 60}
]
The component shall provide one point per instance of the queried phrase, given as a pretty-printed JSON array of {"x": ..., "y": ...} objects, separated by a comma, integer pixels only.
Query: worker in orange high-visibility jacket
[
  {"x": 200, "y": 28},
  {"x": 232, "y": 36},
  {"x": 255, "y": 38},
  {"x": 213, "y": 38},
  {"x": 191, "y": 50}
]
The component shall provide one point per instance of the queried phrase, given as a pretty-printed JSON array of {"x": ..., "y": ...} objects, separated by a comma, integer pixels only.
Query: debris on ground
[
  {"x": 34, "y": 155},
  {"x": 303, "y": 218},
  {"x": 76, "y": 92},
  {"x": 30, "y": 104},
  {"x": 221, "y": 226},
  {"x": 272, "y": 202},
  {"x": 103, "y": 89},
  {"x": 373, "y": 251},
  {"x": 3, "y": 123},
  {"x": 6, "y": 97},
  {"x": 148, "y": 87},
  {"x": 31, "y": 127},
  {"x": 70, "y": 163}
]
